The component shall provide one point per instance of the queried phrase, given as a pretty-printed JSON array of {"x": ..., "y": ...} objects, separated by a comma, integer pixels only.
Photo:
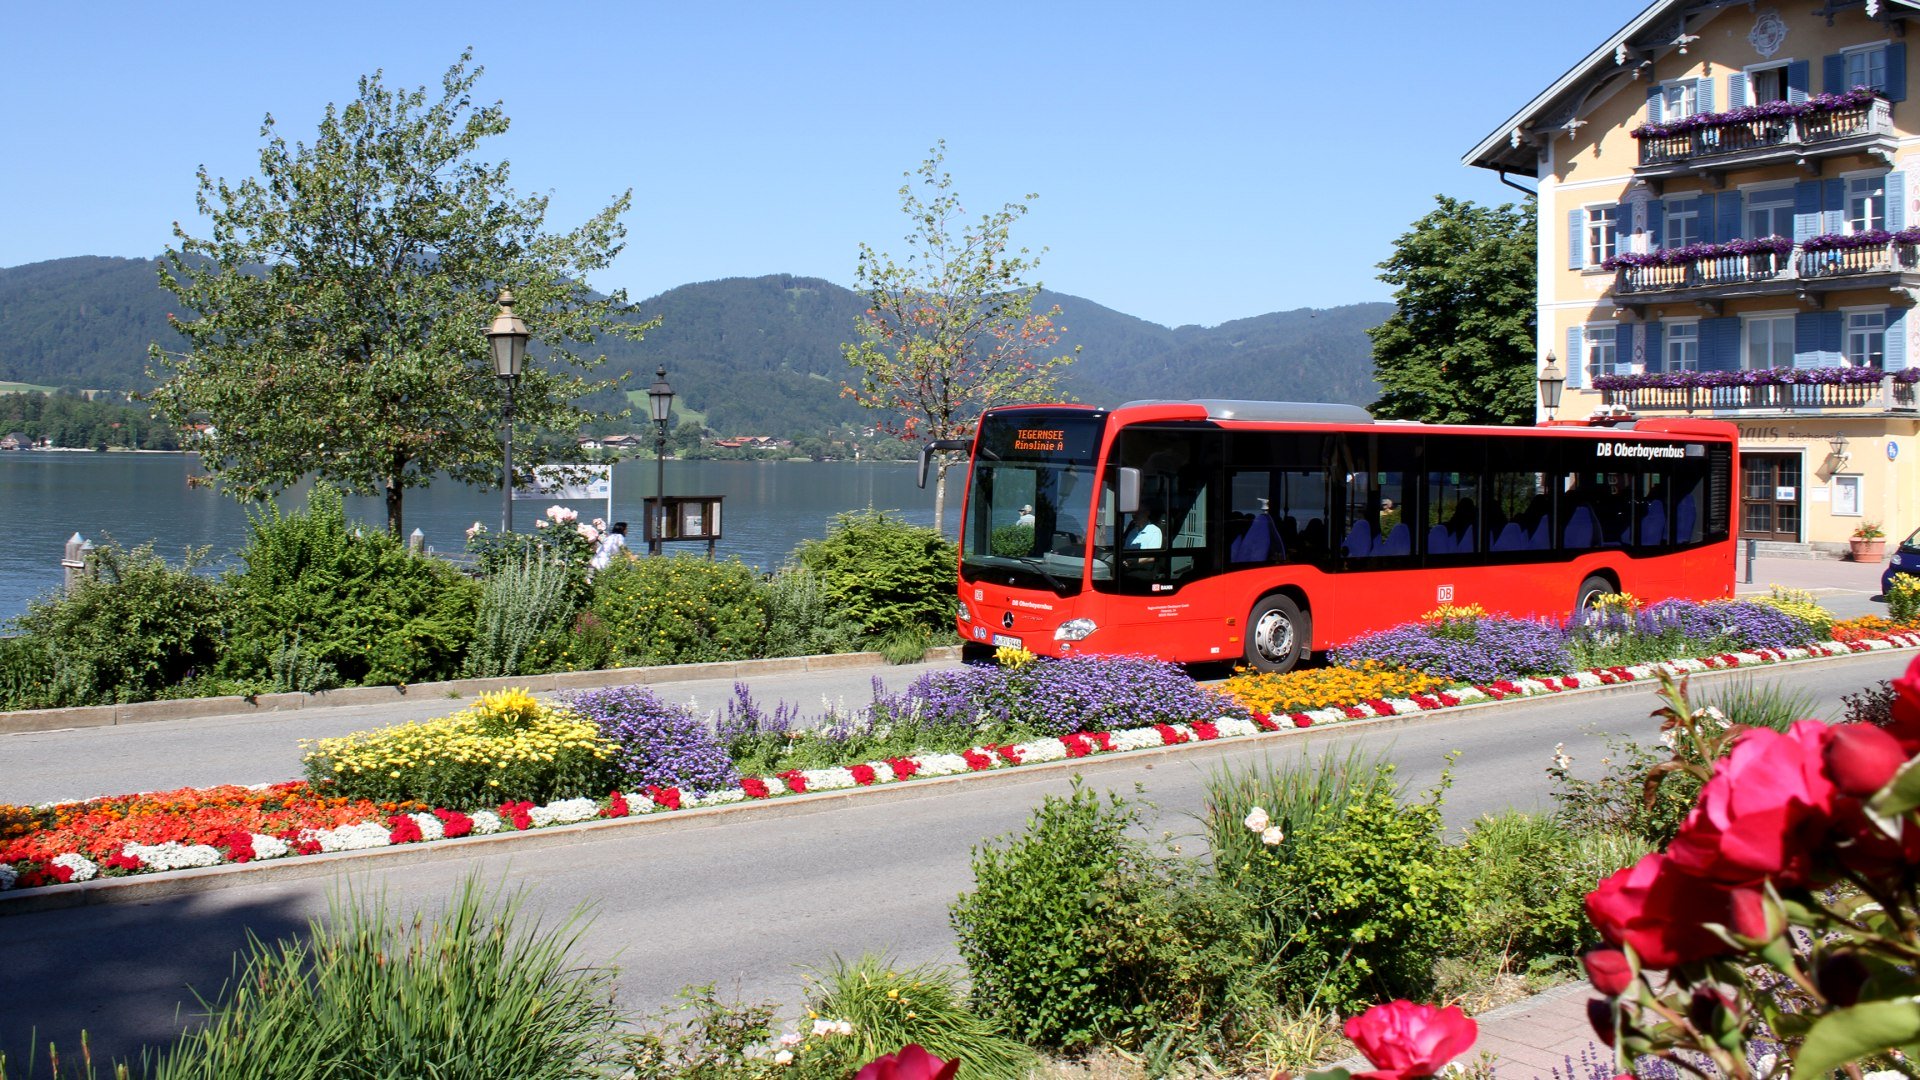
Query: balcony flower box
[
  {"x": 1682, "y": 380},
  {"x": 1855, "y": 98},
  {"x": 1769, "y": 246}
]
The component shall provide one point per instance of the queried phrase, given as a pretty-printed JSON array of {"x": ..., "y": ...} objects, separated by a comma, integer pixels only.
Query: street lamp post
[
  {"x": 508, "y": 336},
  {"x": 1552, "y": 381},
  {"x": 660, "y": 400}
]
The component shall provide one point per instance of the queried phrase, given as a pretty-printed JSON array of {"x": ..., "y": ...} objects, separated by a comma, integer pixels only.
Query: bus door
[{"x": 1161, "y": 553}]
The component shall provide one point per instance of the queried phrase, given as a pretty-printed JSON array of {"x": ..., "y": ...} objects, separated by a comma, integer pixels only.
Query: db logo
[{"x": 1445, "y": 595}]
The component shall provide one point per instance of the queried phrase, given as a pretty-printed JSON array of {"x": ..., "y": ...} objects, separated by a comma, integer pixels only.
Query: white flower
[
  {"x": 83, "y": 868},
  {"x": 360, "y": 837},
  {"x": 475, "y": 529},
  {"x": 1560, "y": 759},
  {"x": 430, "y": 827},
  {"x": 485, "y": 822},
  {"x": 843, "y": 1027},
  {"x": 541, "y": 524},
  {"x": 591, "y": 534},
  {"x": 599, "y": 524},
  {"x": 822, "y": 1028},
  {"x": 561, "y": 515},
  {"x": 1271, "y": 836},
  {"x": 784, "y": 1057},
  {"x": 1257, "y": 820},
  {"x": 791, "y": 1038},
  {"x": 269, "y": 847},
  {"x": 564, "y": 812},
  {"x": 173, "y": 855}
]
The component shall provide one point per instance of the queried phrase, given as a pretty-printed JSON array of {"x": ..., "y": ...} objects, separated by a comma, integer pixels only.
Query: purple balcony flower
[{"x": 1858, "y": 97}]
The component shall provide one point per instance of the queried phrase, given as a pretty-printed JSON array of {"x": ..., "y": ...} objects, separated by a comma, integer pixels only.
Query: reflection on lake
[{"x": 134, "y": 498}]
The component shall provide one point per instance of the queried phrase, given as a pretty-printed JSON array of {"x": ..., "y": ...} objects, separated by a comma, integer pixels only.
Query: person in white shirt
[
  {"x": 1141, "y": 532},
  {"x": 1026, "y": 516},
  {"x": 610, "y": 545}
]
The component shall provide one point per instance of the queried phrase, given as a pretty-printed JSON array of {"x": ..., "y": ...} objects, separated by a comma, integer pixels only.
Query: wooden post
[{"x": 74, "y": 561}]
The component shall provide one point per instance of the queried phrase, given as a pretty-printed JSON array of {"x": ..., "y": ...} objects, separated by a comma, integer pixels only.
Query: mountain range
[{"x": 757, "y": 355}]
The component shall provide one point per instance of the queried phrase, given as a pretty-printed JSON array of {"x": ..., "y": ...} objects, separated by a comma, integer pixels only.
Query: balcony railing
[
  {"x": 1767, "y": 133},
  {"x": 1887, "y": 395},
  {"x": 1728, "y": 270}
]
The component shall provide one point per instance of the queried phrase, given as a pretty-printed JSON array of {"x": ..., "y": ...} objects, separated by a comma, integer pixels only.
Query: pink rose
[
  {"x": 1860, "y": 758},
  {"x": 1906, "y": 709},
  {"x": 1405, "y": 1041},
  {"x": 1659, "y": 910},
  {"x": 1764, "y": 812},
  {"x": 911, "y": 1063}
]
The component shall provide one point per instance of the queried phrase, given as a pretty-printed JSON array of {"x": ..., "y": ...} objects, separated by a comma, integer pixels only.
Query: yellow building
[{"x": 1727, "y": 230}]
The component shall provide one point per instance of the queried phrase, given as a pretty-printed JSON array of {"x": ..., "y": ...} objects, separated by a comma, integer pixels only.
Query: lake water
[{"x": 770, "y": 507}]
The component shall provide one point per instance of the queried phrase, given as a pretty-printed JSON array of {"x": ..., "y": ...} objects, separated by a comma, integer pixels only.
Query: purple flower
[
  {"x": 1858, "y": 97},
  {"x": 660, "y": 743},
  {"x": 1681, "y": 380},
  {"x": 1844, "y": 241},
  {"x": 1711, "y": 627},
  {"x": 1680, "y": 256},
  {"x": 1495, "y": 648}
]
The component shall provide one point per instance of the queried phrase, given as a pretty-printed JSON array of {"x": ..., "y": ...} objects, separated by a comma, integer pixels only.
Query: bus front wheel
[
  {"x": 1591, "y": 590},
  {"x": 1279, "y": 635}
]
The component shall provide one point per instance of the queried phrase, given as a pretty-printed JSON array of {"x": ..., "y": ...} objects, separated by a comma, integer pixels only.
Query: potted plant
[{"x": 1869, "y": 542}]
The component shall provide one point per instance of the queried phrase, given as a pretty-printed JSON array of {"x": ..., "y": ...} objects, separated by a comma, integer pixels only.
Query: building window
[
  {"x": 1846, "y": 496},
  {"x": 1767, "y": 84},
  {"x": 1682, "y": 224},
  {"x": 1866, "y": 203},
  {"x": 1678, "y": 100},
  {"x": 1866, "y": 339},
  {"x": 1769, "y": 213},
  {"x": 1769, "y": 341},
  {"x": 1682, "y": 346},
  {"x": 1603, "y": 233},
  {"x": 1867, "y": 67},
  {"x": 1603, "y": 356}
]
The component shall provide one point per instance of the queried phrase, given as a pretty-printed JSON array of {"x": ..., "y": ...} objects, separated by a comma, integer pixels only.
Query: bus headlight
[
  {"x": 965, "y": 615},
  {"x": 1075, "y": 630}
]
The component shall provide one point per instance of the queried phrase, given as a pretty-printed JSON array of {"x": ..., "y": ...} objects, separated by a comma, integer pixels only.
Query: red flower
[
  {"x": 862, "y": 774},
  {"x": 1405, "y": 1041},
  {"x": 617, "y": 806},
  {"x": 1076, "y": 745},
  {"x": 1609, "y": 971},
  {"x": 1104, "y": 739},
  {"x": 665, "y": 797},
  {"x": 911, "y": 1063},
  {"x": 1764, "y": 811},
  {"x": 1264, "y": 722},
  {"x": 519, "y": 813},
  {"x": 1205, "y": 730},
  {"x": 1860, "y": 758},
  {"x": 796, "y": 783},
  {"x": 1301, "y": 719},
  {"x": 1007, "y": 753},
  {"x": 61, "y": 872},
  {"x": 238, "y": 846},
  {"x": 122, "y": 861},
  {"x": 903, "y": 767},
  {"x": 404, "y": 829},
  {"x": 1379, "y": 707},
  {"x": 755, "y": 787},
  {"x": 1906, "y": 709},
  {"x": 977, "y": 760},
  {"x": 1169, "y": 735},
  {"x": 453, "y": 823},
  {"x": 1659, "y": 909}
]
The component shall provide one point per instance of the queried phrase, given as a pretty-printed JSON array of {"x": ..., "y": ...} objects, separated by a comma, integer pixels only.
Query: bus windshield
[{"x": 1029, "y": 502}]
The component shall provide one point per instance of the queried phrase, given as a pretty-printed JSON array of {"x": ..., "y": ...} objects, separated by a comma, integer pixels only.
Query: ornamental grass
[
  {"x": 1317, "y": 688},
  {"x": 507, "y": 746}
]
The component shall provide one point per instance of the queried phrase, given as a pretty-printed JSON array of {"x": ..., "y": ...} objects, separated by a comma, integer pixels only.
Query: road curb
[
  {"x": 146, "y": 887},
  {"x": 141, "y": 712}
]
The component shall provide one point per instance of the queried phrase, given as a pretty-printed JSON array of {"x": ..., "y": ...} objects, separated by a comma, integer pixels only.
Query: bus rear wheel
[
  {"x": 1591, "y": 590},
  {"x": 1279, "y": 635}
]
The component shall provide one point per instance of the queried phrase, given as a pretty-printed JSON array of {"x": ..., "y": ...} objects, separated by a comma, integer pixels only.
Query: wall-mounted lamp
[
  {"x": 1552, "y": 381},
  {"x": 1838, "y": 444}
]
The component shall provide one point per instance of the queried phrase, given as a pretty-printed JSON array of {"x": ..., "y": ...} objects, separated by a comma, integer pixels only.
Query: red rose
[
  {"x": 1609, "y": 971},
  {"x": 911, "y": 1063},
  {"x": 1659, "y": 909},
  {"x": 1405, "y": 1041},
  {"x": 1765, "y": 810},
  {"x": 1860, "y": 758}
]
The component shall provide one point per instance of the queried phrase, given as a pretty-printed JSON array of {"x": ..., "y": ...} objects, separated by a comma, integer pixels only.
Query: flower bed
[{"x": 122, "y": 835}]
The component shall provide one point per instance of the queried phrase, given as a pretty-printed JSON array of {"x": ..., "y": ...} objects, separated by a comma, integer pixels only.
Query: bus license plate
[{"x": 1006, "y": 641}]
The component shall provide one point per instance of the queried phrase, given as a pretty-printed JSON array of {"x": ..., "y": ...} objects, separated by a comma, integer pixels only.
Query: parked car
[{"x": 1906, "y": 560}]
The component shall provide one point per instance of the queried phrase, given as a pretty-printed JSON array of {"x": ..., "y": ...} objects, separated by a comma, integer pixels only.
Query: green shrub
[
  {"x": 884, "y": 573},
  {"x": 479, "y": 992},
  {"x": 717, "y": 1040},
  {"x": 523, "y": 603},
  {"x": 889, "y": 1009},
  {"x": 1076, "y": 933},
  {"x": 133, "y": 628},
  {"x": 802, "y": 620},
  {"x": 353, "y": 600},
  {"x": 1012, "y": 541},
  {"x": 26, "y": 673},
  {"x": 1617, "y": 802},
  {"x": 680, "y": 609},
  {"x": 1527, "y": 877},
  {"x": 554, "y": 539}
]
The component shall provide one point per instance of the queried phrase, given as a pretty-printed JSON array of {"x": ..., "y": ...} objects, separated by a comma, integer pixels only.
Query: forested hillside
[{"x": 754, "y": 355}]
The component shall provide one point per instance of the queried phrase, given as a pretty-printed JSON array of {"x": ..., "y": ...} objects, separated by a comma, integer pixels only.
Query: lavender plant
[
  {"x": 659, "y": 743},
  {"x": 1498, "y": 648}
]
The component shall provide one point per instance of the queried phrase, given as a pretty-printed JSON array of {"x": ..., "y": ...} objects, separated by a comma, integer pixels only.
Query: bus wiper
[{"x": 1040, "y": 568}]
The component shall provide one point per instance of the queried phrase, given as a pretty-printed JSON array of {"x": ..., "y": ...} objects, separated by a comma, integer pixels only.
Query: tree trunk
[
  {"x": 940, "y": 498},
  {"x": 394, "y": 493}
]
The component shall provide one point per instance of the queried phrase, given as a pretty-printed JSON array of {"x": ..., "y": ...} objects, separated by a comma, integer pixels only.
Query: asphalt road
[{"x": 748, "y": 900}]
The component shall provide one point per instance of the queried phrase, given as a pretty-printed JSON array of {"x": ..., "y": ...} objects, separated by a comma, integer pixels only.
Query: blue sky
[{"x": 1195, "y": 163}]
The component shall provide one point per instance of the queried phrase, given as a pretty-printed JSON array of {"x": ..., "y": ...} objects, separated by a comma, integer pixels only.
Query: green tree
[
  {"x": 1459, "y": 347},
  {"x": 952, "y": 330},
  {"x": 343, "y": 295}
]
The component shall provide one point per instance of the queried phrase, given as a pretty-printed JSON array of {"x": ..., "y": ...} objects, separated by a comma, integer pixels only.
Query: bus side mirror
[
  {"x": 927, "y": 449},
  {"x": 1128, "y": 497}
]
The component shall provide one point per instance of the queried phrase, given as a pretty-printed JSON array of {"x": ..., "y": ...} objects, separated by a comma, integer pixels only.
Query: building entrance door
[{"x": 1770, "y": 497}]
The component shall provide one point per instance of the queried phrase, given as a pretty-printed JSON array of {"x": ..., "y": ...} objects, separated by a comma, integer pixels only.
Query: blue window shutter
[
  {"x": 1896, "y": 201},
  {"x": 1720, "y": 344},
  {"x": 1832, "y": 210},
  {"x": 1655, "y": 362},
  {"x": 1703, "y": 95},
  {"x": 1896, "y": 353},
  {"x": 1896, "y": 88},
  {"x": 1656, "y": 218},
  {"x": 1806, "y": 210},
  {"x": 1736, "y": 89},
  {"x": 1576, "y": 239},
  {"x": 1833, "y": 71},
  {"x": 1816, "y": 339},
  {"x": 1576, "y": 356},
  {"x": 1653, "y": 104},
  {"x": 1832, "y": 325},
  {"x": 1799, "y": 80},
  {"x": 1728, "y": 226}
]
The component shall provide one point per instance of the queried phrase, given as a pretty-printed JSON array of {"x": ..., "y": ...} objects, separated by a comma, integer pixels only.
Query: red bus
[{"x": 1257, "y": 531}]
